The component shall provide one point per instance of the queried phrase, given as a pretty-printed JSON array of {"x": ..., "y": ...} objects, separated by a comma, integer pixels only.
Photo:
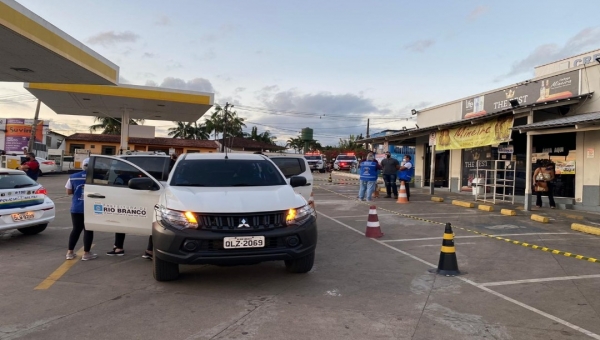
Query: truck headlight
[
  {"x": 300, "y": 215},
  {"x": 177, "y": 219}
]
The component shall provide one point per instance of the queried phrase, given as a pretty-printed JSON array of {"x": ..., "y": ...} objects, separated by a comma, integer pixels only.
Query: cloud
[
  {"x": 419, "y": 45},
  {"x": 477, "y": 13},
  {"x": 196, "y": 84},
  {"x": 148, "y": 55},
  {"x": 110, "y": 38},
  {"x": 163, "y": 21},
  {"x": 543, "y": 54},
  {"x": 222, "y": 32},
  {"x": 207, "y": 55}
]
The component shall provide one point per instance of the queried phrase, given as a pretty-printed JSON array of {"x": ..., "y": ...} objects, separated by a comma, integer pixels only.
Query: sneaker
[
  {"x": 71, "y": 256},
  {"x": 114, "y": 252},
  {"x": 147, "y": 256},
  {"x": 87, "y": 257}
]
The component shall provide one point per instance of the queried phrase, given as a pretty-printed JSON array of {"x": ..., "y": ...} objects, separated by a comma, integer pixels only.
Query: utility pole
[
  {"x": 34, "y": 128},
  {"x": 224, "y": 126},
  {"x": 367, "y": 144}
]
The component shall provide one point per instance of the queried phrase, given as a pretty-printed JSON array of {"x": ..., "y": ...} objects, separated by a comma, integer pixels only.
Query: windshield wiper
[
  {"x": 244, "y": 185},
  {"x": 23, "y": 185}
]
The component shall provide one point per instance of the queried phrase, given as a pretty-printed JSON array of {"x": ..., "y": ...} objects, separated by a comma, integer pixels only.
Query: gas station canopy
[
  {"x": 139, "y": 102},
  {"x": 33, "y": 50}
]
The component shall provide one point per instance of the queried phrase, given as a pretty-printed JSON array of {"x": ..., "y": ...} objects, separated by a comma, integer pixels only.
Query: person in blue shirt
[
  {"x": 75, "y": 186},
  {"x": 406, "y": 173},
  {"x": 368, "y": 177}
]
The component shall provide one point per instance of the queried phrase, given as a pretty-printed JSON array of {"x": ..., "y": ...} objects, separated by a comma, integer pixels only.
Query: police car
[
  {"x": 24, "y": 203},
  {"x": 345, "y": 162},
  {"x": 316, "y": 161}
]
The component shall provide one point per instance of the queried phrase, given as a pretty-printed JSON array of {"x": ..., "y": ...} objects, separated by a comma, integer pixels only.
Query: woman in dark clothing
[{"x": 543, "y": 181}]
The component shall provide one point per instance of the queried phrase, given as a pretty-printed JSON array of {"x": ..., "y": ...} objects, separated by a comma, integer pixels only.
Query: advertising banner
[
  {"x": 18, "y": 133},
  {"x": 494, "y": 131},
  {"x": 553, "y": 88}
]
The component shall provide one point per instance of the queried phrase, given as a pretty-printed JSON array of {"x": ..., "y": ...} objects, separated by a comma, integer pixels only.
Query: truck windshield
[{"x": 226, "y": 173}]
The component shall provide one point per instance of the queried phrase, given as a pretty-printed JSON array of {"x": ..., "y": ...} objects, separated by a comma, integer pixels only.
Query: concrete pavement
[{"x": 360, "y": 288}]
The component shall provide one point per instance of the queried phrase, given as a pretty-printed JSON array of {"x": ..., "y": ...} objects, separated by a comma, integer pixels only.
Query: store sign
[
  {"x": 494, "y": 131},
  {"x": 432, "y": 138},
  {"x": 18, "y": 132},
  {"x": 540, "y": 155},
  {"x": 553, "y": 88},
  {"x": 506, "y": 149},
  {"x": 564, "y": 167}
]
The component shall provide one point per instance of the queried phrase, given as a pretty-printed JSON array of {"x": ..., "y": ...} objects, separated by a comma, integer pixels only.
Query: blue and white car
[{"x": 24, "y": 203}]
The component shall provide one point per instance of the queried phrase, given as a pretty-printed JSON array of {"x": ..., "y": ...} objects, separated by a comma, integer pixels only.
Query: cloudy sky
[{"x": 328, "y": 65}]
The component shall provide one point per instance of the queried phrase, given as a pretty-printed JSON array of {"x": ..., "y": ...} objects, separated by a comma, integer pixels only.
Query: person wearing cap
[{"x": 75, "y": 186}]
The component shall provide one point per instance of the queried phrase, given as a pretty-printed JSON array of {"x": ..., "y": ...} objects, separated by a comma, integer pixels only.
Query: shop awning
[
  {"x": 582, "y": 120},
  {"x": 33, "y": 50}
]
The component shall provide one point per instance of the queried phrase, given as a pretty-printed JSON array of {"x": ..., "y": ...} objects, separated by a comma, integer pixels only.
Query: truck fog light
[
  {"x": 292, "y": 241},
  {"x": 190, "y": 245}
]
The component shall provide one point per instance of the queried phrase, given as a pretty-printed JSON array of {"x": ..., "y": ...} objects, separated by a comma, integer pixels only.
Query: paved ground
[{"x": 360, "y": 288}]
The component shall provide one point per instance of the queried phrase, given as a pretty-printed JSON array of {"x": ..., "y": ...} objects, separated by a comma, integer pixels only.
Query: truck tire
[
  {"x": 300, "y": 265},
  {"x": 163, "y": 270},
  {"x": 36, "y": 229}
]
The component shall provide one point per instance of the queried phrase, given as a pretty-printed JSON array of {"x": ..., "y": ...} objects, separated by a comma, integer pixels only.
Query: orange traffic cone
[
  {"x": 373, "y": 228},
  {"x": 402, "y": 197},
  {"x": 311, "y": 201}
]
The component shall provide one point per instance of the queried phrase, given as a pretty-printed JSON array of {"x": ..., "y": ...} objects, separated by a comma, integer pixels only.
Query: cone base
[
  {"x": 446, "y": 272},
  {"x": 374, "y": 233}
]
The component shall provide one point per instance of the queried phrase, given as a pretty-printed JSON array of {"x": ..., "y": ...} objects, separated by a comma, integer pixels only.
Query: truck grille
[{"x": 242, "y": 222}]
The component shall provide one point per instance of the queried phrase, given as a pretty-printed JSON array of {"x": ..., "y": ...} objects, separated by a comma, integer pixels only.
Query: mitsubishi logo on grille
[{"x": 243, "y": 224}]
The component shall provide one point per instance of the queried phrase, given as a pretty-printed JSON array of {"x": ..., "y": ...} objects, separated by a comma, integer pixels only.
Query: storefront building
[{"x": 552, "y": 116}]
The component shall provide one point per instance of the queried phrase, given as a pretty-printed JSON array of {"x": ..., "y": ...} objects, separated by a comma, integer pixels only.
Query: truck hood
[{"x": 231, "y": 199}]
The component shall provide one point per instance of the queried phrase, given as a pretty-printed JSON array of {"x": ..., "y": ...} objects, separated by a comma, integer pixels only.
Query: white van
[{"x": 294, "y": 165}]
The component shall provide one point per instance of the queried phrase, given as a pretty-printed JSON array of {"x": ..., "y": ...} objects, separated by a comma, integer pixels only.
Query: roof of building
[
  {"x": 250, "y": 145},
  {"x": 172, "y": 142},
  {"x": 587, "y": 118}
]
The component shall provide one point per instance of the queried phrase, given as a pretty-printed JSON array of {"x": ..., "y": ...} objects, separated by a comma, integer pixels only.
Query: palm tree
[
  {"x": 295, "y": 143},
  {"x": 216, "y": 123},
  {"x": 110, "y": 125},
  {"x": 265, "y": 137},
  {"x": 188, "y": 130}
]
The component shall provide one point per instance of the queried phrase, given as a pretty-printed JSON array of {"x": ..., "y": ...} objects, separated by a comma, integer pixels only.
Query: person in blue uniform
[
  {"x": 368, "y": 177},
  {"x": 75, "y": 186}
]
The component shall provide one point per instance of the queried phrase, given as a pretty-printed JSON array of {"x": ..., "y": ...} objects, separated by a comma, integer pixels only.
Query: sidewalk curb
[
  {"x": 540, "y": 218},
  {"x": 585, "y": 229},
  {"x": 463, "y": 204}
]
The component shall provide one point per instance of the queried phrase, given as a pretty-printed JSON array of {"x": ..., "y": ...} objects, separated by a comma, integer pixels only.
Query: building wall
[
  {"x": 455, "y": 169},
  {"x": 588, "y": 58},
  {"x": 588, "y": 187},
  {"x": 448, "y": 113},
  {"x": 139, "y": 147},
  {"x": 420, "y": 156}
]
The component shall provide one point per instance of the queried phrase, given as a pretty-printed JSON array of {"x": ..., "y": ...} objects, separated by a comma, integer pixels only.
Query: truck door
[{"x": 110, "y": 205}]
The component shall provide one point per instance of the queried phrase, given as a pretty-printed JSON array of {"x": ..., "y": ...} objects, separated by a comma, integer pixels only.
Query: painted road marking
[
  {"x": 502, "y": 296},
  {"x": 363, "y": 216},
  {"x": 60, "y": 271},
  {"x": 473, "y": 236},
  {"x": 547, "y": 279},
  {"x": 524, "y": 244}
]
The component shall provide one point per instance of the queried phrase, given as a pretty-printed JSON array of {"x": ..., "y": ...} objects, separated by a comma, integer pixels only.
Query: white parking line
[
  {"x": 363, "y": 215},
  {"x": 486, "y": 289},
  {"x": 474, "y": 236},
  {"x": 547, "y": 279}
]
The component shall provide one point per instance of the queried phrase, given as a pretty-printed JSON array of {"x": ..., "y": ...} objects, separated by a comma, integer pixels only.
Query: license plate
[
  {"x": 23, "y": 216},
  {"x": 244, "y": 242}
]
